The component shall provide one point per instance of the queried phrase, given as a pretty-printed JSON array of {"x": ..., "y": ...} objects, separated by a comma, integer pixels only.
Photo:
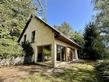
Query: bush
[
  {"x": 27, "y": 48},
  {"x": 9, "y": 48},
  {"x": 103, "y": 67}
]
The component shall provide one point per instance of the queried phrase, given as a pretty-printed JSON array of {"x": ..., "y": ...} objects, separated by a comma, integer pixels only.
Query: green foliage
[
  {"x": 66, "y": 29},
  {"x": 13, "y": 16},
  {"x": 27, "y": 48},
  {"x": 102, "y": 18},
  {"x": 8, "y": 47},
  {"x": 78, "y": 37},
  {"x": 93, "y": 47},
  {"x": 103, "y": 67},
  {"x": 47, "y": 52},
  {"x": 41, "y": 7}
]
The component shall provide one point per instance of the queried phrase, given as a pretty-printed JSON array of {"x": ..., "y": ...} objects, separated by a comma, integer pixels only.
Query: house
[{"x": 50, "y": 45}]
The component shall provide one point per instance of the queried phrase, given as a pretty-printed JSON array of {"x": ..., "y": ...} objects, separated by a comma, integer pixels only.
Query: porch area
[{"x": 55, "y": 54}]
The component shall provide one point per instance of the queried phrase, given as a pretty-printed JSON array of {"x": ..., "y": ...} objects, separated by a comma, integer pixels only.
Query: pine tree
[{"x": 93, "y": 47}]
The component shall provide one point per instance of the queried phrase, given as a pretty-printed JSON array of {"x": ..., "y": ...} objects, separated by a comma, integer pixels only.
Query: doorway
[{"x": 44, "y": 53}]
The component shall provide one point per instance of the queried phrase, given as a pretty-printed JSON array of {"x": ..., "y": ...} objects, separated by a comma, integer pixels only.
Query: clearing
[{"x": 75, "y": 72}]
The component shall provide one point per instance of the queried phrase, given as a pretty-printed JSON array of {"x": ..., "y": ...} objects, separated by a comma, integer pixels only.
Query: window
[
  {"x": 0, "y": 36},
  {"x": 25, "y": 38},
  {"x": 33, "y": 36}
]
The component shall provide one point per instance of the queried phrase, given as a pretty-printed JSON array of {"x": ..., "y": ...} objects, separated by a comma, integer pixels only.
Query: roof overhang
[{"x": 68, "y": 41}]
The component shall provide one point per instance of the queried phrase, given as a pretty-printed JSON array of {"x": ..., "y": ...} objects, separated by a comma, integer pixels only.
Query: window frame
[
  {"x": 33, "y": 36},
  {"x": 25, "y": 37}
]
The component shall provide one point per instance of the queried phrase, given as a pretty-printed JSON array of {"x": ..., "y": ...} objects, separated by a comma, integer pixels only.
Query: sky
[{"x": 76, "y": 12}]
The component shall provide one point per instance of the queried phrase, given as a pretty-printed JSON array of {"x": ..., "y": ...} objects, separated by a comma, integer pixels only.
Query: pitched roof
[{"x": 55, "y": 30}]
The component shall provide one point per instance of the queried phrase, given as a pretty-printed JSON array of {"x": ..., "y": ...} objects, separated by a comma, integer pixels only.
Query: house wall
[{"x": 43, "y": 35}]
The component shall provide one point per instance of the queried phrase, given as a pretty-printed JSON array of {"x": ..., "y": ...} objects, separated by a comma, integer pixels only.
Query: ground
[{"x": 72, "y": 72}]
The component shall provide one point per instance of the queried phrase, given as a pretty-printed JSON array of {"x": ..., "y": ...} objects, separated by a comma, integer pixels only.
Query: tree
[
  {"x": 41, "y": 6},
  {"x": 78, "y": 37},
  {"x": 13, "y": 17},
  {"x": 102, "y": 18},
  {"x": 66, "y": 29},
  {"x": 93, "y": 47}
]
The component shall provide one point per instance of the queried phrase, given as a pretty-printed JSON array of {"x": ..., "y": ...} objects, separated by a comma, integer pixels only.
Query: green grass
[
  {"x": 40, "y": 78},
  {"x": 80, "y": 72}
]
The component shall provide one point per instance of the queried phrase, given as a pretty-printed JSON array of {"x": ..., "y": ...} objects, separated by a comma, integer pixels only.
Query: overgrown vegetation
[
  {"x": 27, "y": 48},
  {"x": 13, "y": 16},
  {"x": 102, "y": 21},
  {"x": 103, "y": 67},
  {"x": 77, "y": 73},
  {"x": 10, "y": 49}
]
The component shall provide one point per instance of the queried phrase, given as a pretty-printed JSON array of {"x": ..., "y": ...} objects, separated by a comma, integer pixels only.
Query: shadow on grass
[
  {"x": 79, "y": 75},
  {"x": 32, "y": 69}
]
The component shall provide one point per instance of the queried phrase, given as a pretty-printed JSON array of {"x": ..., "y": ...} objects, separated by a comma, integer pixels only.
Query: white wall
[{"x": 43, "y": 35}]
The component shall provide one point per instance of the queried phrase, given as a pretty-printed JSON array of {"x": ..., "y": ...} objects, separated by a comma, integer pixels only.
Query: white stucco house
[{"x": 49, "y": 44}]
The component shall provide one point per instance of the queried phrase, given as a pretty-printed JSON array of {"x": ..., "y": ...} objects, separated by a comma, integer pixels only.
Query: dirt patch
[
  {"x": 15, "y": 73},
  {"x": 11, "y": 74}
]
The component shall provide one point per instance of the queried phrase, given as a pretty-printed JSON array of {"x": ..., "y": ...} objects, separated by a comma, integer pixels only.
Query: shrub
[
  {"x": 9, "y": 48},
  {"x": 27, "y": 48},
  {"x": 103, "y": 67}
]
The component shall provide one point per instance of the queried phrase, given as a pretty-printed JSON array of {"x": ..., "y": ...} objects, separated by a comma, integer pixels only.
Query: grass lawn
[
  {"x": 75, "y": 72},
  {"x": 78, "y": 72}
]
